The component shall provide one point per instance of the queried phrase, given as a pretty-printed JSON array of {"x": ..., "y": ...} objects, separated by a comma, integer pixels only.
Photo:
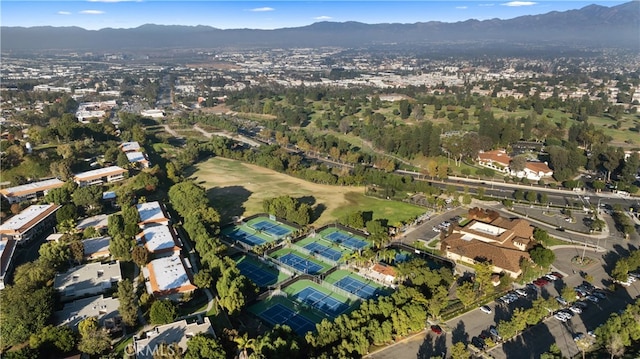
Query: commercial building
[
  {"x": 100, "y": 176},
  {"x": 30, "y": 191},
  {"x": 488, "y": 237},
  {"x": 27, "y": 224},
  {"x": 92, "y": 278}
]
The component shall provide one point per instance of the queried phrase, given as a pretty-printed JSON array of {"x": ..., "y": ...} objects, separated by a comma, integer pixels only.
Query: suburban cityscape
[{"x": 391, "y": 200}]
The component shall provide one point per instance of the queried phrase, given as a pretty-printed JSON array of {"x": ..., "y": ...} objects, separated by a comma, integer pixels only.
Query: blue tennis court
[
  {"x": 324, "y": 251},
  {"x": 271, "y": 228},
  {"x": 346, "y": 240},
  {"x": 321, "y": 301},
  {"x": 279, "y": 314},
  {"x": 359, "y": 288},
  {"x": 301, "y": 264},
  {"x": 246, "y": 237},
  {"x": 259, "y": 276}
]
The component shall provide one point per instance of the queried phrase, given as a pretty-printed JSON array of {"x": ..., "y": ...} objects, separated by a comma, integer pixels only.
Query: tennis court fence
[
  {"x": 337, "y": 290},
  {"x": 283, "y": 267},
  {"x": 315, "y": 255}
]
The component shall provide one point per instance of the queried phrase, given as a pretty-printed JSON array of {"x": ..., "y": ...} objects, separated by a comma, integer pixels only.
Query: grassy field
[{"x": 235, "y": 188}]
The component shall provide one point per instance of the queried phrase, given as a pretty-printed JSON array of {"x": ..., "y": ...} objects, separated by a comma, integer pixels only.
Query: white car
[
  {"x": 521, "y": 292},
  {"x": 486, "y": 309},
  {"x": 560, "y": 317},
  {"x": 575, "y": 309}
]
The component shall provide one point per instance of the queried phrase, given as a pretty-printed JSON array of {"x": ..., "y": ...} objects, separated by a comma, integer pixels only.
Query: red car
[
  {"x": 557, "y": 275},
  {"x": 540, "y": 282},
  {"x": 436, "y": 329}
]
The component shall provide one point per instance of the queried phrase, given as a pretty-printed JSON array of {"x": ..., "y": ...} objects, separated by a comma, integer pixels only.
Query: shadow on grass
[{"x": 228, "y": 201}]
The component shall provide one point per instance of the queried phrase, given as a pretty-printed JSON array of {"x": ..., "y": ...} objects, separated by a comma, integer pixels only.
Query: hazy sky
[{"x": 97, "y": 14}]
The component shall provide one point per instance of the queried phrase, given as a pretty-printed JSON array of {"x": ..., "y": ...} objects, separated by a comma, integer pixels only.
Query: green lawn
[{"x": 235, "y": 188}]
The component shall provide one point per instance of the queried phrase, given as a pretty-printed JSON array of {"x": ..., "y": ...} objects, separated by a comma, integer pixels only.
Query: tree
[
  {"x": 89, "y": 196},
  {"x": 203, "y": 279},
  {"x": 568, "y": 294},
  {"x": 484, "y": 270},
  {"x": 459, "y": 351},
  {"x": 140, "y": 256},
  {"x": 542, "y": 256},
  {"x": 614, "y": 345},
  {"x": 466, "y": 294},
  {"x": 77, "y": 251},
  {"x": 50, "y": 337},
  {"x": 120, "y": 247},
  {"x": 438, "y": 301},
  {"x": 583, "y": 344},
  {"x": 128, "y": 307},
  {"x": 66, "y": 212},
  {"x": 54, "y": 254},
  {"x": 26, "y": 308},
  {"x": 518, "y": 163},
  {"x": 531, "y": 196},
  {"x": 202, "y": 346},
  {"x": 244, "y": 343},
  {"x": 115, "y": 225},
  {"x": 95, "y": 341},
  {"x": 163, "y": 312}
]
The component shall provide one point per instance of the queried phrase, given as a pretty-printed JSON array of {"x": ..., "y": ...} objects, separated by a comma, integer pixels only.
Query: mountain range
[{"x": 593, "y": 26}]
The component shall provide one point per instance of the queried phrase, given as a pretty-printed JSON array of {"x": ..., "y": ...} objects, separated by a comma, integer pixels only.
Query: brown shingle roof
[
  {"x": 500, "y": 257},
  {"x": 498, "y": 156}
]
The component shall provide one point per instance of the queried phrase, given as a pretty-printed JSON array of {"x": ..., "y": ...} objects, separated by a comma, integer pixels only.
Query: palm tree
[{"x": 244, "y": 343}]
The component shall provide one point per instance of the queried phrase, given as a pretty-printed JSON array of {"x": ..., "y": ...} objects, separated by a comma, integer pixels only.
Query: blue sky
[{"x": 97, "y": 14}]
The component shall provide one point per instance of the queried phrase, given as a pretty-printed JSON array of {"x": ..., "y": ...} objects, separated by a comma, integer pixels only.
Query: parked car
[
  {"x": 591, "y": 334},
  {"x": 557, "y": 275},
  {"x": 561, "y": 300},
  {"x": 486, "y": 309},
  {"x": 521, "y": 292},
  {"x": 436, "y": 329},
  {"x": 582, "y": 305},
  {"x": 494, "y": 331},
  {"x": 560, "y": 317},
  {"x": 575, "y": 309},
  {"x": 578, "y": 336},
  {"x": 593, "y": 298},
  {"x": 478, "y": 343},
  {"x": 600, "y": 295},
  {"x": 550, "y": 277}
]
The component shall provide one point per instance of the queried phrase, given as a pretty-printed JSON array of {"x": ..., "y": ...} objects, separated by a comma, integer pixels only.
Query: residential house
[
  {"x": 159, "y": 239},
  {"x": 139, "y": 159},
  {"x": 180, "y": 332},
  {"x": 132, "y": 146},
  {"x": 29, "y": 223},
  {"x": 104, "y": 309},
  {"x": 100, "y": 176},
  {"x": 30, "y": 191},
  {"x": 99, "y": 222},
  {"x": 95, "y": 248},
  {"x": 168, "y": 276},
  {"x": 152, "y": 213},
  {"x": 88, "y": 279},
  {"x": 7, "y": 249},
  {"x": 489, "y": 237}
]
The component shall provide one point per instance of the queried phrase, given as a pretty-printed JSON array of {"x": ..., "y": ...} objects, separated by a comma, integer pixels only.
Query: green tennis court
[
  {"x": 300, "y": 262},
  {"x": 261, "y": 274}
]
